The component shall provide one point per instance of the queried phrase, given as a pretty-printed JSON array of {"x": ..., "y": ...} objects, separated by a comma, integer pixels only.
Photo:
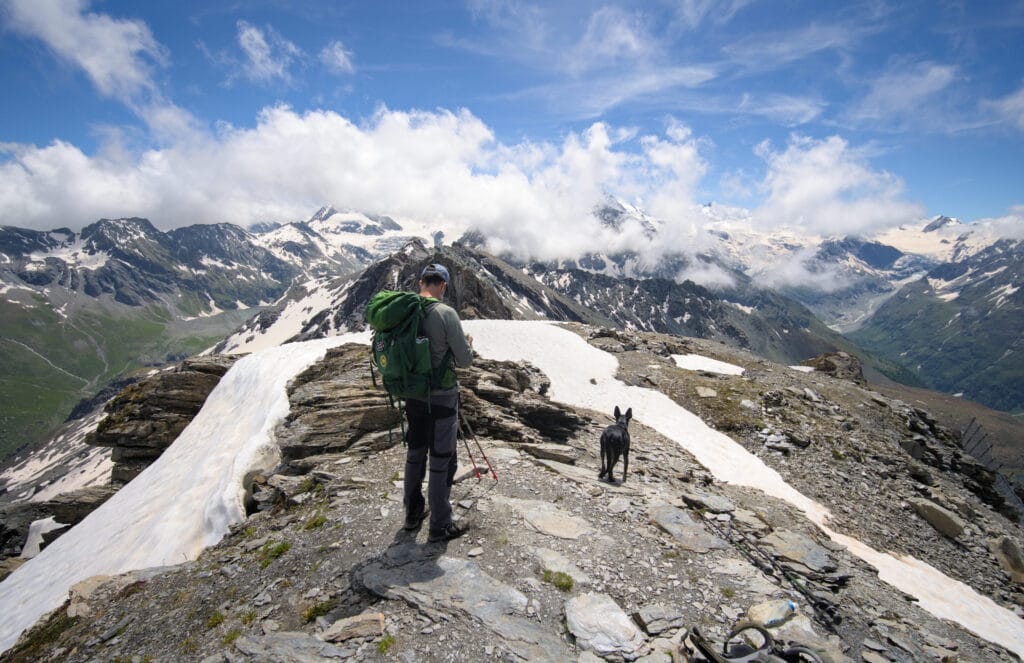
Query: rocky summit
[{"x": 557, "y": 565}]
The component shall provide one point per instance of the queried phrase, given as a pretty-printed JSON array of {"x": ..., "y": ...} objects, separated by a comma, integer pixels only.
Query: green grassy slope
[
  {"x": 955, "y": 347},
  {"x": 49, "y": 363}
]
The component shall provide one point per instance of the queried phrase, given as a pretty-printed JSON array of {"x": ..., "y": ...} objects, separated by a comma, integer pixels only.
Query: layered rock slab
[{"x": 438, "y": 585}]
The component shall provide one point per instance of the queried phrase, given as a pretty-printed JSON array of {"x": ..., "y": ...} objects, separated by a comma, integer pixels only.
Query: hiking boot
[
  {"x": 413, "y": 521},
  {"x": 446, "y": 533}
]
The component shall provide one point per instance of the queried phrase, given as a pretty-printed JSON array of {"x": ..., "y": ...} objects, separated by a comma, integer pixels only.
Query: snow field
[
  {"x": 188, "y": 498},
  {"x": 183, "y": 502},
  {"x": 570, "y": 363}
]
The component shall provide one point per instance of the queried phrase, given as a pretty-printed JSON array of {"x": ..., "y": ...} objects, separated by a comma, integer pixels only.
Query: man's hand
[{"x": 469, "y": 339}]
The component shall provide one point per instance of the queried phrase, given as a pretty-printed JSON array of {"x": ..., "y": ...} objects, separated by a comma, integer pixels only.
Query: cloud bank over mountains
[
  {"x": 444, "y": 164},
  {"x": 535, "y": 198}
]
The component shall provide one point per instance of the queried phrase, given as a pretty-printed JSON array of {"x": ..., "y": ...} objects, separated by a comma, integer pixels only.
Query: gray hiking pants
[{"x": 431, "y": 437}]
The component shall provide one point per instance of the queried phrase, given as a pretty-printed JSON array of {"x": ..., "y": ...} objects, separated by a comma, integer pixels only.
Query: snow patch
[
  {"x": 749, "y": 310},
  {"x": 560, "y": 353},
  {"x": 700, "y": 363},
  {"x": 803, "y": 369},
  {"x": 182, "y": 503},
  {"x": 35, "y": 536}
]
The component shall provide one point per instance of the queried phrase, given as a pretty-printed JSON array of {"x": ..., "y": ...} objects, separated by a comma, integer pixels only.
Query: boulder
[
  {"x": 657, "y": 618},
  {"x": 293, "y": 646},
  {"x": 942, "y": 519},
  {"x": 433, "y": 584},
  {"x": 547, "y": 518},
  {"x": 840, "y": 365},
  {"x": 799, "y": 548},
  {"x": 709, "y": 502},
  {"x": 1008, "y": 553},
  {"x": 600, "y": 625},
  {"x": 367, "y": 624},
  {"x": 552, "y": 560},
  {"x": 690, "y": 534}
]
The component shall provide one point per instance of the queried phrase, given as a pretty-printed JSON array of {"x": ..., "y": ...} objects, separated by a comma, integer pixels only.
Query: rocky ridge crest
[{"x": 559, "y": 566}]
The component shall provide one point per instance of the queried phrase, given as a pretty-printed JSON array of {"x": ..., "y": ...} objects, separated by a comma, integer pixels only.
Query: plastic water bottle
[{"x": 772, "y": 613}]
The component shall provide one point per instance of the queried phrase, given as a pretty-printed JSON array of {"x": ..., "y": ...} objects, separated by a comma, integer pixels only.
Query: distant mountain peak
[
  {"x": 323, "y": 214},
  {"x": 939, "y": 222}
]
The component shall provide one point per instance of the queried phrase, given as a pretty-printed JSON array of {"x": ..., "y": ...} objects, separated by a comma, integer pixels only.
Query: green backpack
[{"x": 400, "y": 354}]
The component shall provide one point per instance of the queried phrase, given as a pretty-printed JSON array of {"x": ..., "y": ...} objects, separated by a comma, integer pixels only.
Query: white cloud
[
  {"x": 522, "y": 28},
  {"x": 1010, "y": 226},
  {"x": 119, "y": 56},
  {"x": 692, "y": 13},
  {"x": 337, "y": 58},
  {"x": 439, "y": 167},
  {"x": 612, "y": 36},
  {"x": 773, "y": 50},
  {"x": 904, "y": 93},
  {"x": 827, "y": 186},
  {"x": 591, "y": 98},
  {"x": 1009, "y": 108},
  {"x": 269, "y": 56},
  {"x": 786, "y": 109},
  {"x": 444, "y": 167},
  {"x": 675, "y": 169},
  {"x": 707, "y": 274}
]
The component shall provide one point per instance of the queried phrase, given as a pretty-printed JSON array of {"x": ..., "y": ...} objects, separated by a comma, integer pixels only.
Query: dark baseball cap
[{"x": 436, "y": 270}]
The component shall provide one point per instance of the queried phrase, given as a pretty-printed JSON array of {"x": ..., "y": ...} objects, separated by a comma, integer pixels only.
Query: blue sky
[{"x": 842, "y": 117}]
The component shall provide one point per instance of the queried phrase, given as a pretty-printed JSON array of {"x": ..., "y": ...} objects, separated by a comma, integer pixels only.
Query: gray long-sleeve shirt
[{"x": 443, "y": 329}]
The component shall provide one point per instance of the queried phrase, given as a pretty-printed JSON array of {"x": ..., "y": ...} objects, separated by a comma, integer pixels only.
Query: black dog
[{"x": 615, "y": 443}]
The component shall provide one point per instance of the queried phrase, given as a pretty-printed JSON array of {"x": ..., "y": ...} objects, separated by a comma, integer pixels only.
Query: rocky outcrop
[
  {"x": 67, "y": 508},
  {"x": 841, "y": 365},
  {"x": 335, "y": 407},
  {"x": 148, "y": 416},
  {"x": 558, "y": 565}
]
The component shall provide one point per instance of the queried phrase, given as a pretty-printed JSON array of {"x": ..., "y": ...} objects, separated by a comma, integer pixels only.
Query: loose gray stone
[
  {"x": 357, "y": 626},
  {"x": 709, "y": 502},
  {"x": 587, "y": 477},
  {"x": 548, "y": 519},
  {"x": 942, "y": 519},
  {"x": 706, "y": 392},
  {"x": 557, "y": 452},
  {"x": 599, "y": 624},
  {"x": 618, "y": 505},
  {"x": 1009, "y": 556},
  {"x": 553, "y": 560},
  {"x": 691, "y": 535},
  {"x": 798, "y": 548},
  {"x": 658, "y": 617},
  {"x": 292, "y": 646},
  {"x": 447, "y": 584}
]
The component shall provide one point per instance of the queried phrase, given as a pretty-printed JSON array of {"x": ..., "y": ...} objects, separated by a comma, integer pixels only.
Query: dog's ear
[
  {"x": 617, "y": 413},
  {"x": 629, "y": 413}
]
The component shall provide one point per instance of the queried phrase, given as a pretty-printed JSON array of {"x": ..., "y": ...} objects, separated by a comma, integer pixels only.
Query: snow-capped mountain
[
  {"x": 192, "y": 269},
  {"x": 199, "y": 282},
  {"x": 333, "y": 243},
  {"x": 960, "y": 329},
  {"x": 484, "y": 286}
]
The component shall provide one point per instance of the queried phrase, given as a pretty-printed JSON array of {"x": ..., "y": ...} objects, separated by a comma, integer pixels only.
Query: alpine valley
[
  {"x": 243, "y": 503},
  {"x": 937, "y": 305}
]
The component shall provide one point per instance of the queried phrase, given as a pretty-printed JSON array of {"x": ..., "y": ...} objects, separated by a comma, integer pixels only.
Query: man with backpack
[{"x": 416, "y": 341}]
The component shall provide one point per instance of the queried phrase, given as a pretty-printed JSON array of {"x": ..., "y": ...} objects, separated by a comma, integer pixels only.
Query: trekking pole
[
  {"x": 469, "y": 452},
  {"x": 479, "y": 447}
]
